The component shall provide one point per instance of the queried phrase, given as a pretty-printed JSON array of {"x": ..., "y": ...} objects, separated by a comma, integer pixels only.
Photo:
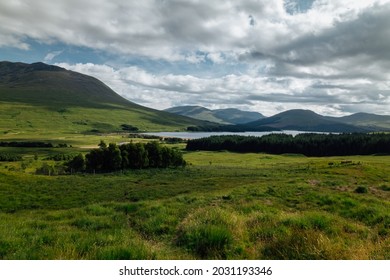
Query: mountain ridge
[
  {"x": 222, "y": 116},
  {"x": 303, "y": 120},
  {"x": 297, "y": 119}
]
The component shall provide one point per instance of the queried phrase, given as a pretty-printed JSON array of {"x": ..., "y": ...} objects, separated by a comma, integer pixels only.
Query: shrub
[
  {"x": 61, "y": 157},
  {"x": 361, "y": 189},
  {"x": 128, "y": 127},
  {"x": 9, "y": 157},
  {"x": 50, "y": 170},
  {"x": 45, "y": 169}
]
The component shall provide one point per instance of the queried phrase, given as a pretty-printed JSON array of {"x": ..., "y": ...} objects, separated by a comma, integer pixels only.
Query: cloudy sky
[{"x": 330, "y": 56}]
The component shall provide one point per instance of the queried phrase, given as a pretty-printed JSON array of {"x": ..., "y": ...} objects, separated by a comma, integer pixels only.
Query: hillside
[
  {"x": 370, "y": 121},
  {"x": 304, "y": 120},
  {"x": 40, "y": 99},
  {"x": 222, "y": 116}
]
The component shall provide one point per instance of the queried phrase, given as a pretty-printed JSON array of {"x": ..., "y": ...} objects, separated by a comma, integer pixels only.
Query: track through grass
[{"x": 222, "y": 206}]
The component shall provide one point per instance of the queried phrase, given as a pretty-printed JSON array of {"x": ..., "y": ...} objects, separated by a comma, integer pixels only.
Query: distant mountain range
[
  {"x": 222, "y": 116},
  {"x": 302, "y": 120},
  {"x": 306, "y": 120}
]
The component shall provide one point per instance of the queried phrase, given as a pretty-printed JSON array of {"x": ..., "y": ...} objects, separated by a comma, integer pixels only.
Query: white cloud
[
  {"x": 161, "y": 29},
  {"x": 9, "y": 40},
  {"x": 51, "y": 55},
  {"x": 171, "y": 29},
  {"x": 264, "y": 94},
  {"x": 327, "y": 55}
]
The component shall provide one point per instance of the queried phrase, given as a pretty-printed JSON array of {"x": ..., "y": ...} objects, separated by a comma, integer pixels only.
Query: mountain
[
  {"x": 303, "y": 120},
  {"x": 297, "y": 119},
  {"x": 235, "y": 116},
  {"x": 222, "y": 116},
  {"x": 369, "y": 121},
  {"x": 196, "y": 112},
  {"x": 41, "y": 99}
]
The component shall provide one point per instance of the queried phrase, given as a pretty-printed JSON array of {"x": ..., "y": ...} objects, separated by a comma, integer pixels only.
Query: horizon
[{"x": 260, "y": 56}]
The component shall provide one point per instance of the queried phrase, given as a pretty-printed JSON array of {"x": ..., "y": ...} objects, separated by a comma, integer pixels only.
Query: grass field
[{"x": 221, "y": 206}]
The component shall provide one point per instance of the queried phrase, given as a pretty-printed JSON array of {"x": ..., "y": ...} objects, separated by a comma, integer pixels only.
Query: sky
[{"x": 329, "y": 56}]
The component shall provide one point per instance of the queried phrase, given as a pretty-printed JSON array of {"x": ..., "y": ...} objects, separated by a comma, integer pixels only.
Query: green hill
[
  {"x": 370, "y": 121},
  {"x": 42, "y": 100},
  {"x": 304, "y": 120},
  {"x": 196, "y": 112},
  {"x": 222, "y": 116}
]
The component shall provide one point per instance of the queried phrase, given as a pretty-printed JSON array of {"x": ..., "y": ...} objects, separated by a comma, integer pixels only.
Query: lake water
[{"x": 197, "y": 135}]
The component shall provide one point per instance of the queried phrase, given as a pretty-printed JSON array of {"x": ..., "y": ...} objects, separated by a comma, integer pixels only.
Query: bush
[
  {"x": 45, "y": 169},
  {"x": 10, "y": 157},
  {"x": 31, "y": 144},
  {"x": 128, "y": 127},
  {"x": 50, "y": 170},
  {"x": 61, "y": 157},
  {"x": 361, "y": 189}
]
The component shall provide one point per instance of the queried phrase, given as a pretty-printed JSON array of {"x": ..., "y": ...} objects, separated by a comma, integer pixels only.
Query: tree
[
  {"x": 94, "y": 160},
  {"x": 131, "y": 156},
  {"x": 102, "y": 145},
  {"x": 154, "y": 154},
  {"x": 113, "y": 157},
  {"x": 77, "y": 164}
]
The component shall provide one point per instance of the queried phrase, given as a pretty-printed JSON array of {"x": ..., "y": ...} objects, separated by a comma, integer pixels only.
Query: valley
[{"x": 221, "y": 205}]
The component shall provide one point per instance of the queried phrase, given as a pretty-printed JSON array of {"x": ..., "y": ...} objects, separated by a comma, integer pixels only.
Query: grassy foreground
[{"x": 221, "y": 206}]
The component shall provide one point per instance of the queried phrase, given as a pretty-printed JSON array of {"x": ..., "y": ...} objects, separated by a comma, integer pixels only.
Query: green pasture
[
  {"x": 29, "y": 121},
  {"x": 221, "y": 206}
]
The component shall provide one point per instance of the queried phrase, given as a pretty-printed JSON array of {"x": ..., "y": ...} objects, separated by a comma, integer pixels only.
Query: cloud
[
  {"x": 51, "y": 55},
  {"x": 176, "y": 27},
  {"x": 263, "y": 94},
  {"x": 327, "y": 55},
  {"x": 10, "y": 40},
  {"x": 343, "y": 49},
  {"x": 176, "y": 30}
]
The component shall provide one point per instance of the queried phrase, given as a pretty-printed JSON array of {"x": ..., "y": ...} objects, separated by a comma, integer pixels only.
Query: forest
[
  {"x": 127, "y": 156},
  {"x": 308, "y": 144}
]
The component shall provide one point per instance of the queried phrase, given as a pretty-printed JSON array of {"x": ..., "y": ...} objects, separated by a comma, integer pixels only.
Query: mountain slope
[
  {"x": 44, "y": 99},
  {"x": 196, "y": 112},
  {"x": 304, "y": 120},
  {"x": 222, "y": 116},
  {"x": 369, "y": 121},
  {"x": 235, "y": 116}
]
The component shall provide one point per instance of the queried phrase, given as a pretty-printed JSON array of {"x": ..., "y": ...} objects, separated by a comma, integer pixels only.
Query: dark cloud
[{"x": 352, "y": 49}]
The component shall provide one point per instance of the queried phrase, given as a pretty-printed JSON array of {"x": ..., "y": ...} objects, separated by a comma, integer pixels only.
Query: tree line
[
  {"x": 9, "y": 157},
  {"x": 309, "y": 144},
  {"x": 29, "y": 144},
  {"x": 128, "y": 156}
]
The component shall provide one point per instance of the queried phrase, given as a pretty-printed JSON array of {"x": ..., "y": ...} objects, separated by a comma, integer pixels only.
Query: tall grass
[
  {"x": 240, "y": 207},
  {"x": 211, "y": 233}
]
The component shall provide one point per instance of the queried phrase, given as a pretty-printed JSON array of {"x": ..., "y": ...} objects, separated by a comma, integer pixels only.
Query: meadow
[{"x": 222, "y": 205}]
